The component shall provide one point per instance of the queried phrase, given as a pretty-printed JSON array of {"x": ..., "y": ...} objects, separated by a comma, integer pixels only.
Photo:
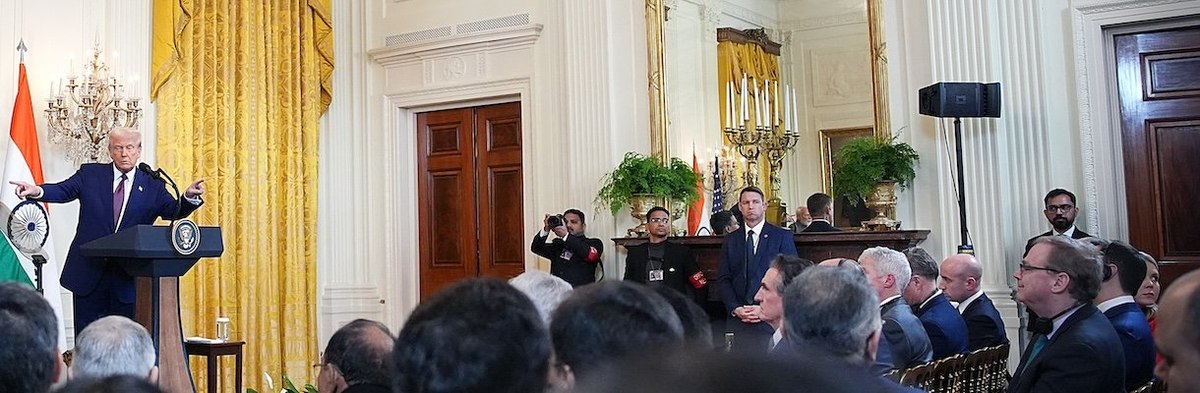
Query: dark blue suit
[
  {"x": 1080, "y": 357},
  {"x": 1131, "y": 326},
  {"x": 905, "y": 336},
  {"x": 984, "y": 326},
  {"x": 945, "y": 327},
  {"x": 738, "y": 282},
  {"x": 99, "y": 287}
]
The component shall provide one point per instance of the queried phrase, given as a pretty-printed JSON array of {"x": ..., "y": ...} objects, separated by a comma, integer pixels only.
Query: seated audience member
[
  {"x": 114, "y": 345},
  {"x": 1075, "y": 348},
  {"x": 356, "y": 358},
  {"x": 1125, "y": 271},
  {"x": 544, "y": 289},
  {"x": 605, "y": 322},
  {"x": 476, "y": 335},
  {"x": 784, "y": 268},
  {"x": 820, "y": 207},
  {"x": 801, "y": 219},
  {"x": 1147, "y": 296},
  {"x": 1178, "y": 339},
  {"x": 960, "y": 276},
  {"x": 28, "y": 340},
  {"x": 689, "y": 372},
  {"x": 722, "y": 222},
  {"x": 662, "y": 262},
  {"x": 119, "y": 383},
  {"x": 697, "y": 331},
  {"x": 945, "y": 327},
  {"x": 832, "y": 318},
  {"x": 888, "y": 272}
]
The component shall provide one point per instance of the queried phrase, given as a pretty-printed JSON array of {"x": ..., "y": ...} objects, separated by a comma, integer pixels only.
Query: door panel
[
  {"x": 1159, "y": 96},
  {"x": 447, "y": 198},
  {"x": 502, "y": 234},
  {"x": 471, "y": 194}
]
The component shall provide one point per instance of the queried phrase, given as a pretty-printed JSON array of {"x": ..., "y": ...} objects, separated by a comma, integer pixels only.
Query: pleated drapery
[
  {"x": 736, "y": 60},
  {"x": 240, "y": 87}
]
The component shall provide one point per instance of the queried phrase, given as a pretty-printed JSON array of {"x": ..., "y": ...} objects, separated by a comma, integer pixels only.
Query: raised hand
[
  {"x": 195, "y": 190},
  {"x": 25, "y": 190}
]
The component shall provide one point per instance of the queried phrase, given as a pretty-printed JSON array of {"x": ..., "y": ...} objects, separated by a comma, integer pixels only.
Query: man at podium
[{"x": 111, "y": 197}]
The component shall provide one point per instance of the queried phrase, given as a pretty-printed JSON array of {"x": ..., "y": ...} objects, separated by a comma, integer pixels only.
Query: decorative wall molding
[
  {"x": 737, "y": 11},
  {"x": 850, "y": 18},
  {"x": 462, "y": 29},
  {"x": 475, "y": 42}
]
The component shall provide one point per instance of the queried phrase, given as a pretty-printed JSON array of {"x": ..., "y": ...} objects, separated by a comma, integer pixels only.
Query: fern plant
[
  {"x": 638, "y": 174},
  {"x": 861, "y": 163}
]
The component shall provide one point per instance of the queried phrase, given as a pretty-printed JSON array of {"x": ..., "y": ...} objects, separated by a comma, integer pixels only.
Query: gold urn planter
[
  {"x": 639, "y": 206},
  {"x": 883, "y": 201}
]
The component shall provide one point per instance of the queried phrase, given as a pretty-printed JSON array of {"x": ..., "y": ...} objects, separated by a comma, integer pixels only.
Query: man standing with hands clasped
[
  {"x": 745, "y": 257},
  {"x": 111, "y": 197}
]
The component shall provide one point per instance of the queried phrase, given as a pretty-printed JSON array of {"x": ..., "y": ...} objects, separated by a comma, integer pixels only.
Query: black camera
[{"x": 555, "y": 221}]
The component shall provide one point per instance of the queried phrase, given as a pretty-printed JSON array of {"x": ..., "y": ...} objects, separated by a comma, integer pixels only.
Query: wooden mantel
[{"x": 812, "y": 246}]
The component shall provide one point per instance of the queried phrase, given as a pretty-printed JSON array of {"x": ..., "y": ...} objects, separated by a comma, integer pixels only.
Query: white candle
[
  {"x": 745, "y": 94},
  {"x": 729, "y": 104},
  {"x": 775, "y": 102},
  {"x": 757, "y": 104}
]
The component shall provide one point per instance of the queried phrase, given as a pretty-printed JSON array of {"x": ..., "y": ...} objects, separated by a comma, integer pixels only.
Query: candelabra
[
  {"x": 81, "y": 113},
  {"x": 778, "y": 145},
  {"x": 746, "y": 142}
]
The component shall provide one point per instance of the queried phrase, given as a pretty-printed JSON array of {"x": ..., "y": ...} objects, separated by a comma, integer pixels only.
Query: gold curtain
[
  {"x": 735, "y": 59},
  {"x": 240, "y": 88}
]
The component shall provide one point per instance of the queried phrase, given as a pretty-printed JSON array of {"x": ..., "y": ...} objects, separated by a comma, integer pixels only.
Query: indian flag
[{"x": 23, "y": 162}]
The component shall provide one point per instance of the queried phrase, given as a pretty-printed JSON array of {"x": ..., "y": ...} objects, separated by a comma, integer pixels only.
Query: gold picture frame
[{"x": 831, "y": 141}]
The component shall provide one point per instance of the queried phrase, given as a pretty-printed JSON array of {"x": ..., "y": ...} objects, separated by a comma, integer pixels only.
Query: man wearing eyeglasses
[
  {"x": 1060, "y": 211},
  {"x": 661, "y": 262},
  {"x": 1075, "y": 349}
]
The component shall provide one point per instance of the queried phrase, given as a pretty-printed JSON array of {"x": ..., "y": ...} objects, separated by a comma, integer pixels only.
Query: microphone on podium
[
  {"x": 162, "y": 176},
  {"x": 150, "y": 171}
]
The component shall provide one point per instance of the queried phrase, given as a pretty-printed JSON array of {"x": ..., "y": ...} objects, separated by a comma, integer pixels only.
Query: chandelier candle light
[
  {"x": 82, "y": 112},
  {"x": 769, "y": 132}
]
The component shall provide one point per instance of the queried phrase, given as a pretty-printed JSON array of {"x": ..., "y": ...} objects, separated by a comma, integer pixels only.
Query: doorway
[
  {"x": 470, "y": 194},
  {"x": 1159, "y": 98}
]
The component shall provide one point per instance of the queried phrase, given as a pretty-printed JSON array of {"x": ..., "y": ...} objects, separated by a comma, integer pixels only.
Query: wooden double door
[
  {"x": 471, "y": 194},
  {"x": 1158, "y": 77}
]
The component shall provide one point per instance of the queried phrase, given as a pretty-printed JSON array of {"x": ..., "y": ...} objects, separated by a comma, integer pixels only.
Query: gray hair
[
  {"x": 1079, "y": 260},
  {"x": 545, "y": 290},
  {"x": 922, "y": 263},
  {"x": 832, "y": 308},
  {"x": 889, "y": 261},
  {"x": 113, "y": 345}
]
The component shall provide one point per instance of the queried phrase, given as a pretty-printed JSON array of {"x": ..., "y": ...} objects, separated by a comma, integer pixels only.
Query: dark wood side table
[{"x": 213, "y": 351}]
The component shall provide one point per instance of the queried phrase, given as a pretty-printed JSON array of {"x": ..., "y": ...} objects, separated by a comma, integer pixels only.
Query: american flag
[{"x": 718, "y": 200}]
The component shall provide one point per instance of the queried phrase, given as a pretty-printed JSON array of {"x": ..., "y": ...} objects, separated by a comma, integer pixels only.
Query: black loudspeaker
[{"x": 960, "y": 99}]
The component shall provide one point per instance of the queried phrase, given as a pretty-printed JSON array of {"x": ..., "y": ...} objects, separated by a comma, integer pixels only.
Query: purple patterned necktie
[{"x": 118, "y": 200}]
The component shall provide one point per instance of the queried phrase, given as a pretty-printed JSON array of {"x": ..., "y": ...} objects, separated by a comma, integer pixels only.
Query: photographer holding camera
[{"x": 573, "y": 256}]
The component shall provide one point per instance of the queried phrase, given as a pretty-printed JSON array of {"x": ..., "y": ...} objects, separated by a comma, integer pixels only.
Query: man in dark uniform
[
  {"x": 660, "y": 262},
  {"x": 573, "y": 256},
  {"x": 1060, "y": 211}
]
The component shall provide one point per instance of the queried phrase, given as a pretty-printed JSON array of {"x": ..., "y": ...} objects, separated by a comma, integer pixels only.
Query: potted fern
[
  {"x": 640, "y": 182},
  {"x": 871, "y": 169}
]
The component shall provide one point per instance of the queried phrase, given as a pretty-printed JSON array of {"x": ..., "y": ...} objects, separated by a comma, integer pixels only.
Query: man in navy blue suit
[
  {"x": 745, "y": 257},
  {"x": 888, "y": 272},
  {"x": 960, "y": 276},
  {"x": 1123, "y": 279},
  {"x": 1073, "y": 350},
  {"x": 945, "y": 327},
  {"x": 111, "y": 197},
  {"x": 820, "y": 208}
]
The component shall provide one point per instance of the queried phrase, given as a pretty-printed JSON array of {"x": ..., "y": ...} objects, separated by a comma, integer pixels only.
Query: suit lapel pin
[{"x": 139, "y": 188}]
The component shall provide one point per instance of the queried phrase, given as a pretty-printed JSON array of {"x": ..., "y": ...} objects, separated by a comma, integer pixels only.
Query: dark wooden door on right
[{"x": 1158, "y": 79}]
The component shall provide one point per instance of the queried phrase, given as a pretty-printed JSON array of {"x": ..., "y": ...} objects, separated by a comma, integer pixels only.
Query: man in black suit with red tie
[
  {"x": 745, "y": 257},
  {"x": 1060, "y": 211}
]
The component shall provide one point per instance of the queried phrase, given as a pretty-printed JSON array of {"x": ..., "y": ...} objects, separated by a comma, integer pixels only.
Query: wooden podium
[{"x": 146, "y": 253}]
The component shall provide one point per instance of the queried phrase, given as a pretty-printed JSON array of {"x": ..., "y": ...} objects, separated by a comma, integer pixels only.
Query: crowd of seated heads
[
  {"x": 544, "y": 289},
  {"x": 697, "y": 331},
  {"x": 476, "y": 335},
  {"x": 116, "y": 383},
  {"x": 114, "y": 345},
  {"x": 357, "y": 355},
  {"x": 28, "y": 340},
  {"x": 833, "y": 310}
]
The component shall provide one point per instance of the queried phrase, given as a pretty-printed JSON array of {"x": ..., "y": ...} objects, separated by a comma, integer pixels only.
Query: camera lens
[{"x": 555, "y": 221}]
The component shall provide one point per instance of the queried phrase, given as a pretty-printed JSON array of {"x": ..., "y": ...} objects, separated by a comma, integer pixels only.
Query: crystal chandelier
[{"x": 82, "y": 112}]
